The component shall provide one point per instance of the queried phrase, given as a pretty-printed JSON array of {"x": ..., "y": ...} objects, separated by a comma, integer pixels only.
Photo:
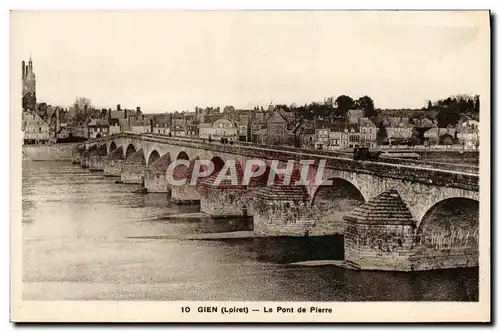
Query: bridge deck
[
  {"x": 436, "y": 165},
  {"x": 461, "y": 176}
]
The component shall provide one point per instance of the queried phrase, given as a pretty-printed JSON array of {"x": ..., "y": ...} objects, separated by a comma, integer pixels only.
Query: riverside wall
[{"x": 61, "y": 151}]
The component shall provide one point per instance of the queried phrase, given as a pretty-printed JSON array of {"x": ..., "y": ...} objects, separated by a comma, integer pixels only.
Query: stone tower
[{"x": 29, "y": 86}]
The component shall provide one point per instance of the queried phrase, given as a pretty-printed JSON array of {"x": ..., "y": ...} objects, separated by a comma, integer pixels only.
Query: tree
[
  {"x": 447, "y": 117},
  {"x": 83, "y": 109},
  {"x": 476, "y": 104},
  {"x": 381, "y": 134},
  {"x": 282, "y": 107},
  {"x": 330, "y": 101},
  {"x": 228, "y": 109},
  {"x": 344, "y": 104},
  {"x": 366, "y": 104},
  {"x": 416, "y": 138},
  {"x": 429, "y": 105},
  {"x": 81, "y": 104}
]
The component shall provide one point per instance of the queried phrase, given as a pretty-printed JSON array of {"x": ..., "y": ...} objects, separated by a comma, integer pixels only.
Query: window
[{"x": 40, "y": 129}]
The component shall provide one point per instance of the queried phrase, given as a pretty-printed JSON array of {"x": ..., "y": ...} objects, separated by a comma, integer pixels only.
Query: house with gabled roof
[
  {"x": 98, "y": 128},
  {"x": 274, "y": 131}
]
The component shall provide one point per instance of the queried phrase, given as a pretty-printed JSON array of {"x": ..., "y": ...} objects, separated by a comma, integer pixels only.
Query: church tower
[{"x": 29, "y": 86}]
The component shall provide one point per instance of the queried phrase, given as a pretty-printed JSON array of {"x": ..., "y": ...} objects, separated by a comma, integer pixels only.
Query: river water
[{"x": 87, "y": 238}]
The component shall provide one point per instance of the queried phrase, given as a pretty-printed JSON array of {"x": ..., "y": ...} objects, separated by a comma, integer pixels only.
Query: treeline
[
  {"x": 459, "y": 103},
  {"x": 331, "y": 108},
  {"x": 451, "y": 109}
]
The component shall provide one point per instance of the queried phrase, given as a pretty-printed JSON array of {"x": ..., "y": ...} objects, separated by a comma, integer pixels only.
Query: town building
[
  {"x": 205, "y": 130},
  {"x": 257, "y": 121},
  {"x": 35, "y": 130},
  {"x": 205, "y": 115},
  {"x": 114, "y": 127},
  {"x": 398, "y": 128},
  {"x": 424, "y": 123},
  {"x": 161, "y": 129},
  {"x": 98, "y": 128},
  {"x": 336, "y": 136},
  {"x": 224, "y": 128},
  {"x": 467, "y": 122},
  {"x": 192, "y": 129},
  {"x": 140, "y": 125},
  {"x": 114, "y": 121},
  {"x": 468, "y": 134},
  {"x": 353, "y": 116},
  {"x": 64, "y": 132},
  {"x": 367, "y": 131},
  {"x": 80, "y": 130},
  {"x": 322, "y": 138},
  {"x": 161, "y": 125},
  {"x": 244, "y": 129},
  {"x": 178, "y": 130},
  {"x": 274, "y": 131},
  {"x": 442, "y": 136},
  {"x": 306, "y": 138}
]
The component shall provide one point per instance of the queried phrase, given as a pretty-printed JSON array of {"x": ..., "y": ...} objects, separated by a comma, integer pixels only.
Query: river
[{"x": 87, "y": 238}]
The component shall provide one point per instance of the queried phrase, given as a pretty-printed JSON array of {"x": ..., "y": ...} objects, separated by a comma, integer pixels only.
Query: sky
[{"x": 168, "y": 61}]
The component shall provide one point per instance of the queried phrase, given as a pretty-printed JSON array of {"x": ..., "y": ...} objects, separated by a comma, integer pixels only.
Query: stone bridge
[{"x": 386, "y": 217}]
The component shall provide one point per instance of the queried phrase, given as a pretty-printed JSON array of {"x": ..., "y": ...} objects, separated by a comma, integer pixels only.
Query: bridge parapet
[{"x": 435, "y": 176}]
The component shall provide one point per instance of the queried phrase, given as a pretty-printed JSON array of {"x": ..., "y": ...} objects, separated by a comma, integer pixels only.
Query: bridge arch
[
  {"x": 153, "y": 156},
  {"x": 421, "y": 204},
  {"x": 218, "y": 163},
  {"x": 450, "y": 223},
  {"x": 182, "y": 155},
  {"x": 332, "y": 200},
  {"x": 336, "y": 179},
  {"x": 112, "y": 147},
  {"x": 337, "y": 184},
  {"x": 130, "y": 150}
]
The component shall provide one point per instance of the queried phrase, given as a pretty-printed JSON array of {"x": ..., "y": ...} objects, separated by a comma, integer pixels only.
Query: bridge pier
[
  {"x": 96, "y": 160},
  {"x": 85, "y": 159},
  {"x": 223, "y": 200},
  {"x": 155, "y": 176},
  {"x": 77, "y": 156},
  {"x": 133, "y": 168},
  {"x": 379, "y": 234},
  {"x": 382, "y": 235},
  {"x": 113, "y": 163},
  {"x": 282, "y": 211},
  {"x": 184, "y": 194}
]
